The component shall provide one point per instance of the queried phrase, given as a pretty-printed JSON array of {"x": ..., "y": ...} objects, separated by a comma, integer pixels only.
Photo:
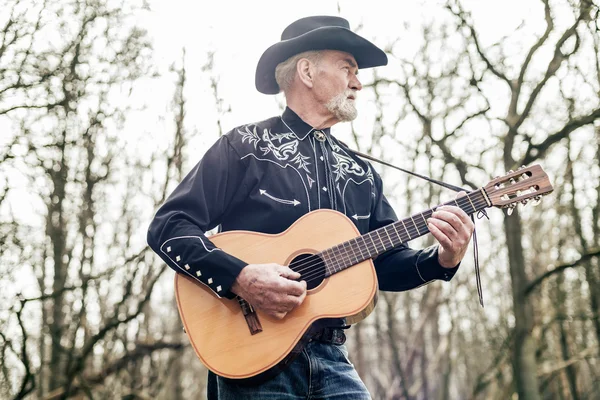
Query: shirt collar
[{"x": 298, "y": 127}]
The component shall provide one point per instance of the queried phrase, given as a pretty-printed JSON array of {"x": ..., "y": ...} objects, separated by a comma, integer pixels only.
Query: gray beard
[{"x": 342, "y": 107}]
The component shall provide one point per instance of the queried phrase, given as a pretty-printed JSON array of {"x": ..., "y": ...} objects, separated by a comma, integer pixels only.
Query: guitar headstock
[{"x": 521, "y": 186}]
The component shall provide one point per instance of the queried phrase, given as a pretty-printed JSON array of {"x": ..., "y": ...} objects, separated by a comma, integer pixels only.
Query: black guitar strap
[{"x": 480, "y": 214}]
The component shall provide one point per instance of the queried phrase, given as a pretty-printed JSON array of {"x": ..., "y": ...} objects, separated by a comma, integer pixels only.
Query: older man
[{"x": 264, "y": 176}]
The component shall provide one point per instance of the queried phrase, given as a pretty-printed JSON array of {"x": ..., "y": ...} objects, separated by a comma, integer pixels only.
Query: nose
[{"x": 354, "y": 83}]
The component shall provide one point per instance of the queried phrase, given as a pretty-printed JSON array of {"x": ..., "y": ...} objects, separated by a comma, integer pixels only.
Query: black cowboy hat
[{"x": 315, "y": 33}]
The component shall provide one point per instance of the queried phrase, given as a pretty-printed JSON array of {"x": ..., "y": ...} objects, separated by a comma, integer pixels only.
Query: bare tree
[{"x": 94, "y": 278}]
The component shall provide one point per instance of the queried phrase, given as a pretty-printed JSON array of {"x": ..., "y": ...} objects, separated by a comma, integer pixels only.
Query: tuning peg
[
  {"x": 512, "y": 181},
  {"x": 510, "y": 210},
  {"x": 511, "y": 171},
  {"x": 536, "y": 200}
]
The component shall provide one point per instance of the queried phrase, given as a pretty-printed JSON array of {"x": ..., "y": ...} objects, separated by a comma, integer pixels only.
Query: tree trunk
[
  {"x": 524, "y": 361},
  {"x": 57, "y": 237}
]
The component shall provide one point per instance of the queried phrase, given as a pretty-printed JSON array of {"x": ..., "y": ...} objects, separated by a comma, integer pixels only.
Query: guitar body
[{"x": 217, "y": 328}]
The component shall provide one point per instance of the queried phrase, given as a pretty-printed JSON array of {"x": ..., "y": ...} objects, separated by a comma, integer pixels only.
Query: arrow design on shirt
[
  {"x": 292, "y": 202},
  {"x": 357, "y": 217}
]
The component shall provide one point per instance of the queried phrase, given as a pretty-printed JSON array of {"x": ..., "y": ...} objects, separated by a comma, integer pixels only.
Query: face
[{"x": 336, "y": 84}]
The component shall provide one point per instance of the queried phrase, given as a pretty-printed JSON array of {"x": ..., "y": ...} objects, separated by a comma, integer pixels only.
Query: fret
[
  {"x": 397, "y": 234},
  {"x": 337, "y": 261},
  {"x": 354, "y": 253},
  {"x": 359, "y": 249},
  {"x": 403, "y": 224},
  {"x": 379, "y": 236},
  {"x": 388, "y": 235},
  {"x": 368, "y": 251},
  {"x": 424, "y": 219},
  {"x": 345, "y": 253},
  {"x": 366, "y": 246},
  {"x": 472, "y": 205},
  {"x": 327, "y": 259},
  {"x": 414, "y": 223},
  {"x": 371, "y": 237}
]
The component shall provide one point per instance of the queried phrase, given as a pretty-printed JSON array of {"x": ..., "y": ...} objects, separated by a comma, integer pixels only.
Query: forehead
[{"x": 336, "y": 56}]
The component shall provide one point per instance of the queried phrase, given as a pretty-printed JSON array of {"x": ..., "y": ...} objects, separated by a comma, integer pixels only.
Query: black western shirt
[{"x": 262, "y": 177}]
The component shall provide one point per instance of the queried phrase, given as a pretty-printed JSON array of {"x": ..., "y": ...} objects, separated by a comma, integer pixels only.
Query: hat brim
[{"x": 366, "y": 54}]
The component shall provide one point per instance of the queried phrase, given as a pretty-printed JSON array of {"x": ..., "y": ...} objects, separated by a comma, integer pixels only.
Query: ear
[{"x": 305, "y": 70}]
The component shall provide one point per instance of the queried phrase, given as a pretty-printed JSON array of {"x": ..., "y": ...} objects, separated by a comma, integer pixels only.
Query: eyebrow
[{"x": 351, "y": 62}]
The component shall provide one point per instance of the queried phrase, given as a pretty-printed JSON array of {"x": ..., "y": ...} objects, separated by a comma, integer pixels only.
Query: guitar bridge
[{"x": 250, "y": 316}]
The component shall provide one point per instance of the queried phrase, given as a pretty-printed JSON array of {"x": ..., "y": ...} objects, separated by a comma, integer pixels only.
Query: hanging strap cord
[{"x": 480, "y": 214}]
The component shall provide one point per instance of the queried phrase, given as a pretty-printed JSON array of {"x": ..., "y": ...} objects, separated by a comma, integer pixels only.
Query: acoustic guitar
[{"x": 237, "y": 342}]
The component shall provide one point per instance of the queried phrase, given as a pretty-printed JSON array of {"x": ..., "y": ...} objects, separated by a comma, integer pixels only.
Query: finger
[
  {"x": 284, "y": 303},
  {"x": 459, "y": 236},
  {"x": 293, "y": 288},
  {"x": 288, "y": 273},
  {"x": 302, "y": 296},
  {"x": 278, "y": 315},
  {"x": 440, "y": 236},
  {"x": 456, "y": 211},
  {"x": 449, "y": 217},
  {"x": 457, "y": 218}
]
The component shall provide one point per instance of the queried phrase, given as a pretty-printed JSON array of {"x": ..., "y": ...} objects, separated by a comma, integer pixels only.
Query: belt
[{"x": 330, "y": 335}]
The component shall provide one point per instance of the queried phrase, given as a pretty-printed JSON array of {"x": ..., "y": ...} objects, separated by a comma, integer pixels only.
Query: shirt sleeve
[
  {"x": 177, "y": 232},
  {"x": 403, "y": 268}
]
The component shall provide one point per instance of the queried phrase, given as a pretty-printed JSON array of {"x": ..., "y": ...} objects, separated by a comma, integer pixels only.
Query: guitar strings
[
  {"x": 345, "y": 256},
  {"x": 308, "y": 264},
  {"x": 342, "y": 257},
  {"x": 343, "y": 251}
]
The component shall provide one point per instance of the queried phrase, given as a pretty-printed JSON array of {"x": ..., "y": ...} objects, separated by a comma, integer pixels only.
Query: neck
[
  {"x": 311, "y": 112},
  {"x": 370, "y": 245}
]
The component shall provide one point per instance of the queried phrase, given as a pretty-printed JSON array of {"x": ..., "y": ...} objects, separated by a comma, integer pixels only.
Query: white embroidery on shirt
[
  {"x": 249, "y": 135},
  {"x": 277, "y": 199},
  {"x": 283, "y": 167},
  {"x": 284, "y": 151},
  {"x": 301, "y": 161}
]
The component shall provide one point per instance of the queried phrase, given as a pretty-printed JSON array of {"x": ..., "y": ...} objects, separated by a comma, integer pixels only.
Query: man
[{"x": 264, "y": 176}]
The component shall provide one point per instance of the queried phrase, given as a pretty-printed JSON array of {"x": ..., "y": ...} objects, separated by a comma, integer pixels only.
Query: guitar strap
[{"x": 480, "y": 214}]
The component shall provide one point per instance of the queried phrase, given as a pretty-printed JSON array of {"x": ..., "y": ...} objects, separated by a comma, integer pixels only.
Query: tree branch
[
  {"x": 536, "y": 151},
  {"x": 463, "y": 22},
  {"x": 537, "y": 281},
  {"x": 141, "y": 350}
]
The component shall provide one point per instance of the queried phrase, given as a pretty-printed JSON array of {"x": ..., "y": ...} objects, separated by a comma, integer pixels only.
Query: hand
[
  {"x": 452, "y": 228},
  {"x": 270, "y": 288}
]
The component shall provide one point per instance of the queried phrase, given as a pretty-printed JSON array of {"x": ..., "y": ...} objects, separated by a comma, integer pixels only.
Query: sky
[{"x": 239, "y": 32}]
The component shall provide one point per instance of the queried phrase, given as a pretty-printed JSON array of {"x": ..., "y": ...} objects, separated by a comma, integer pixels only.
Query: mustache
[{"x": 350, "y": 93}]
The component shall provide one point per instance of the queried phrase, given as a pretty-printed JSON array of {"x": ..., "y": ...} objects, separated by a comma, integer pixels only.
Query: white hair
[{"x": 285, "y": 72}]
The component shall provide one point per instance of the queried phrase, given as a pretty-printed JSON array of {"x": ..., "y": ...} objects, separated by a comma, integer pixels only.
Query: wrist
[{"x": 445, "y": 261}]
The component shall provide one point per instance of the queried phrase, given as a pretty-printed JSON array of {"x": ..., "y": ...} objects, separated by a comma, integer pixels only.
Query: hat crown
[{"x": 308, "y": 24}]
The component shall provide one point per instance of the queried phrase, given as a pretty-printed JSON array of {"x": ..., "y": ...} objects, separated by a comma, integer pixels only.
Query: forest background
[{"x": 106, "y": 104}]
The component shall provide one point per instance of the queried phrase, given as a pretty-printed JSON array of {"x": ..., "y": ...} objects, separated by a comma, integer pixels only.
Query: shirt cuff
[
  {"x": 226, "y": 270},
  {"x": 429, "y": 268}
]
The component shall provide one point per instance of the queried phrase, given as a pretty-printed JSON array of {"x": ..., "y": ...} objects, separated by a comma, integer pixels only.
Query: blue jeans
[{"x": 321, "y": 371}]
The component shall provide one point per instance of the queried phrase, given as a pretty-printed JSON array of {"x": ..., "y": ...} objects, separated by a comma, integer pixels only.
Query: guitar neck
[{"x": 372, "y": 244}]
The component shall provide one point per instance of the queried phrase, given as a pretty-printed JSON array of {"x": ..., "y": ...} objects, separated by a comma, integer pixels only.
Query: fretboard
[{"x": 372, "y": 244}]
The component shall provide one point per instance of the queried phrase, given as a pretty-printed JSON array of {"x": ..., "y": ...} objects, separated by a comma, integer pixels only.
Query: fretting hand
[
  {"x": 271, "y": 288},
  {"x": 452, "y": 228}
]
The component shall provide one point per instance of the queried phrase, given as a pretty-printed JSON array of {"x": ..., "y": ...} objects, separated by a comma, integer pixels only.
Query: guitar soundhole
[{"x": 311, "y": 267}]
